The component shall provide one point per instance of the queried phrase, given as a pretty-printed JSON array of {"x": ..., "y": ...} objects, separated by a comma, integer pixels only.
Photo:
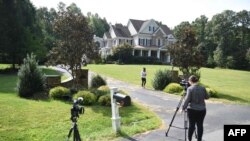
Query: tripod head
[
  {"x": 76, "y": 109},
  {"x": 185, "y": 84}
]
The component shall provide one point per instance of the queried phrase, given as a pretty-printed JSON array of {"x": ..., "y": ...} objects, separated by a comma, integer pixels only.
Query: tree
[
  {"x": 46, "y": 19},
  {"x": 30, "y": 78},
  {"x": 123, "y": 53},
  {"x": 98, "y": 25},
  {"x": 19, "y": 31},
  {"x": 248, "y": 56},
  {"x": 75, "y": 41},
  {"x": 185, "y": 53}
]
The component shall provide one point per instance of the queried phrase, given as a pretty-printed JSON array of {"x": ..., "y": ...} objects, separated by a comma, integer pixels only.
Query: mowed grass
[
  {"x": 232, "y": 85},
  {"x": 31, "y": 120}
]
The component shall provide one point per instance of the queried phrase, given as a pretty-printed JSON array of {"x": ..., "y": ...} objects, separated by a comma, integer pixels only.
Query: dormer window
[{"x": 149, "y": 28}]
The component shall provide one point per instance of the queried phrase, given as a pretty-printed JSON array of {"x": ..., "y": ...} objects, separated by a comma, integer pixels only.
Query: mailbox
[{"x": 124, "y": 100}]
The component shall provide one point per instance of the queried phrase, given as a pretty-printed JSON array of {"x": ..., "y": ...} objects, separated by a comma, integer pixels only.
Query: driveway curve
[{"x": 164, "y": 105}]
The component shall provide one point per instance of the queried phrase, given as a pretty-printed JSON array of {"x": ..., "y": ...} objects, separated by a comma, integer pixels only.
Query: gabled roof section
[
  {"x": 121, "y": 31},
  {"x": 166, "y": 29},
  {"x": 161, "y": 30},
  {"x": 107, "y": 34},
  {"x": 144, "y": 24},
  {"x": 137, "y": 24}
]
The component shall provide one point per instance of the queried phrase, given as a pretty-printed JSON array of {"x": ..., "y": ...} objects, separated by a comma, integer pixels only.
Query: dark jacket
[{"x": 195, "y": 98}]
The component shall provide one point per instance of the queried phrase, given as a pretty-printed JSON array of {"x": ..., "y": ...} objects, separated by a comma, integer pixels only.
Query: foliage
[
  {"x": 20, "y": 33},
  {"x": 102, "y": 90},
  {"x": 186, "y": 53},
  {"x": 173, "y": 88},
  {"x": 210, "y": 62},
  {"x": 98, "y": 25},
  {"x": 248, "y": 55},
  {"x": 74, "y": 45},
  {"x": 161, "y": 79},
  {"x": 30, "y": 78},
  {"x": 59, "y": 92},
  {"x": 97, "y": 81},
  {"x": 123, "y": 53},
  {"x": 211, "y": 92},
  {"x": 105, "y": 100},
  {"x": 88, "y": 97}
]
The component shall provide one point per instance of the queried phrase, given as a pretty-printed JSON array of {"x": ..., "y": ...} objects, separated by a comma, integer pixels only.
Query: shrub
[
  {"x": 88, "y": 97},
  {"x": 30, "y": 78},
  {"x": 161, "y": 79},
  {"x": 59, "y": 92},
  {"x": 104, "y": 88},
  {"x": 173, "y": 88},
  {"x": 105, "y": 100},
  {"x": 97, "y": 81},
  {"x": 211, "y": 92}
]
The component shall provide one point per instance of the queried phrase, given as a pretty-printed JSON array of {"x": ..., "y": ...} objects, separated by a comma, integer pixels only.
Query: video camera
[
  {"x": 185, "y": 84},
  {"x": 76, "y": 109}
]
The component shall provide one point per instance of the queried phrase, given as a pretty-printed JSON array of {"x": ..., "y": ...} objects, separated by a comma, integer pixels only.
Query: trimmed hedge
[
  {"x": 212, "y": 93},
  {"x": 161, "y": 79},
  {"x": 173, "y": 88},
  {"x": 97, "y": 81},
  {"x": 88, "y": 97},
  {"x": 59, "y": 92},
  {"x": 105, "y": 100}
]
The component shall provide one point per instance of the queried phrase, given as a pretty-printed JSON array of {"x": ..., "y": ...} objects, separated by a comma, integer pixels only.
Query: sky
[{"x": 169, "y": 12}]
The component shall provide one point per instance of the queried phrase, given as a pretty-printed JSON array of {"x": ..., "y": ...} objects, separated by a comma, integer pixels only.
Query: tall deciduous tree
[
  {"x": 21, "y": 35},
  {"x": 75, "y": 40},
  {"x": 185, "y": 53},
  {"x": 98, "y": 25}
]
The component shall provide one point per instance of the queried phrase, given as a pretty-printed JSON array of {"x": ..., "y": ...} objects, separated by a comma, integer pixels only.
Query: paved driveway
[{"x": 218, "y": 114}]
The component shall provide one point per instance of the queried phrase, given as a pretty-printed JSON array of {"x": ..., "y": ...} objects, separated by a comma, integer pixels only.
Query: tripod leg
[
  {"x": 178, "y": 107},
  {"x": 70, "y": 131}
]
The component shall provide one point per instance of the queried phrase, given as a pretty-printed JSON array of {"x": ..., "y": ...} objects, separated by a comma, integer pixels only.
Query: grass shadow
[{"x": 230, "y": 98}]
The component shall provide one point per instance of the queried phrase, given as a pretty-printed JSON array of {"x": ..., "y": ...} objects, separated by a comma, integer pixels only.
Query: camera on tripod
[
  {"x": 76, "y": 109},
  {"x": 185, "y": 84}
]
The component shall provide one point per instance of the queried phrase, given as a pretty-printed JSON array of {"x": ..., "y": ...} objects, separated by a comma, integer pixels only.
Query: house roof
[
  {"x": 166, "y": 29},
  {"x": 137, "y": 24},
  {"x": 107, "y": 35},
  {"x": 121, "y": 31}
]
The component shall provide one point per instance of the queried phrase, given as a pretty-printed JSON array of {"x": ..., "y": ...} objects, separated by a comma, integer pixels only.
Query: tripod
[
  {"x": 185, "y": 118},
  {"x": 76, "y": 135}
]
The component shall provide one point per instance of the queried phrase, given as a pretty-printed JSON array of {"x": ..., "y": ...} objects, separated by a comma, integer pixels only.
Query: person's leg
[
  {"x": 142, "y": 82},
  {"x": 200, "y": 119},
  {"x": 191, "y": 117}
]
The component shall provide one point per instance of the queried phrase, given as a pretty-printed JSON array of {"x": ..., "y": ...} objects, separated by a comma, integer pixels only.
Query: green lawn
[
  {"x": 31, "y": 120},
  {"x": 232, "y": 85}
]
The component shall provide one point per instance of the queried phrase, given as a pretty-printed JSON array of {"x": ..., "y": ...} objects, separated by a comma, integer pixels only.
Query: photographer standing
[{"x": 196, "y": 107}]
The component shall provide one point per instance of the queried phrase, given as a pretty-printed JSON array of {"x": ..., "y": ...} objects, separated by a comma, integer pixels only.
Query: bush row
[{"x": 90, "y": 97}]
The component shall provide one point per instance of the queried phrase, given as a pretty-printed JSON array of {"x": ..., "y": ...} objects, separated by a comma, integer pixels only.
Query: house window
[
  {"x": 131, "y": 42},
  {"x": 139, "y": 41},
  {"x": 159, "y": 42},
  {"x": 153, "y": 28},
  {"x": 149, "y": 28},
  {"x": 146, "y": 42}
]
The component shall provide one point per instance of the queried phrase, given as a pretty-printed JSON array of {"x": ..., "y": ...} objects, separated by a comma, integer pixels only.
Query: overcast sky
[{"x": 170, "y": 12}]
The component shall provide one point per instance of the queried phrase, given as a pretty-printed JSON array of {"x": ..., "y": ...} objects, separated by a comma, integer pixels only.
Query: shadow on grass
[
  {"x": 124, "y": 112},
  {"x": 125, "y": 135},
  {"x": 232, "y": 98}
]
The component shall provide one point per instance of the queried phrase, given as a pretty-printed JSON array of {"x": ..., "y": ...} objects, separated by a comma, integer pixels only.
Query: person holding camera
[
  {"x": 196, "y": 108},
  {"x": 143, "y": 77}
]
